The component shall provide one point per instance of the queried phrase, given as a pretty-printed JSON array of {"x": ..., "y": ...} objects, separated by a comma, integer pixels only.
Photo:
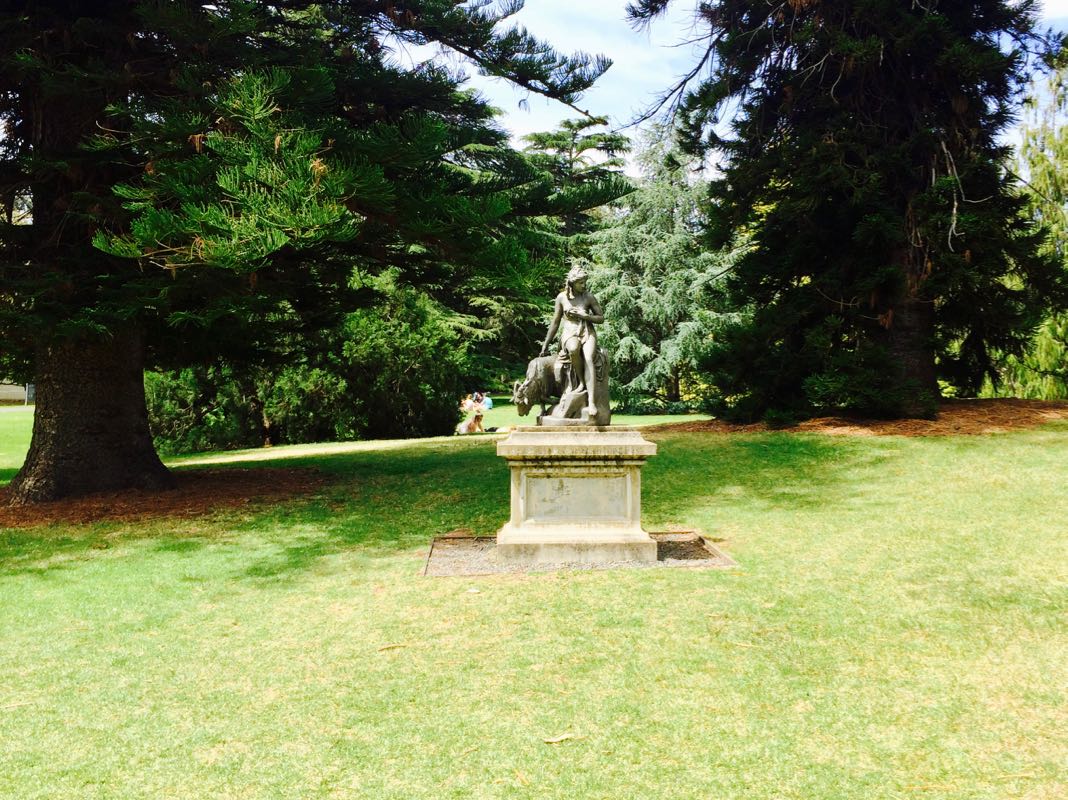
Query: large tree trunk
[
  {"x": 90, "y": 427},
  {"x": 674, "y": 388},
  {"x": 908, "y": 328},
  {"x": 910, "y": 340}
]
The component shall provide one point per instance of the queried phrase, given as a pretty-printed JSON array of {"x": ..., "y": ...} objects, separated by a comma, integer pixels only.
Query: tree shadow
[
  {"x": 390, "y": 502},
  {"x": 776, "y": 470},
  {"x": 383, "y": 502},
  {"x": 387, "y": 502},
  {"x": 42, "y": 551}
]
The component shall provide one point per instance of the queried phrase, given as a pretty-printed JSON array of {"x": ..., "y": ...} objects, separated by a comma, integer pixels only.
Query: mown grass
[
  {"x": 504, "y": 415},
  {"x": 896, "y": 629},
  {"x": 16, "y": 425}
]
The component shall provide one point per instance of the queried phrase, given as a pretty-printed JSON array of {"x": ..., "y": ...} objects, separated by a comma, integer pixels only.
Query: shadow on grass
[
  {"x": 383, "y": 502},
  {"x": 388, "y": 502},
  {"x": 179, "y": 545},
  {"x": 43, "y": 551},
  {"x": 776, "y": 470}
]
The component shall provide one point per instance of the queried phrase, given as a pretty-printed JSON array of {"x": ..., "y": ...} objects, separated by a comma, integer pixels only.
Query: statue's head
[
  {"x": 520, "y": 397},
  {"x": 577, "y": 276}
]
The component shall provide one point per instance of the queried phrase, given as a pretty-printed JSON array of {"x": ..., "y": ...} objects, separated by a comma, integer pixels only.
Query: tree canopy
[
  {"x": 238, "y": 166},
  {"x": 1042, "y": 370},
  {"x": 860, "y": 146}
]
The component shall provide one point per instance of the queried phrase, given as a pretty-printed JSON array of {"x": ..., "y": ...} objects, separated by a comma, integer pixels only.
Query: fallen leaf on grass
[
  {"x": 391, "y": 647},
  {"x": 563, "y": 737},
  {"x": 746, "y": 644}
]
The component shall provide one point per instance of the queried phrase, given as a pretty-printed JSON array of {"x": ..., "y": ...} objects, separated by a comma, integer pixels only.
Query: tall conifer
[
  {"x": 889, "y": 248},
  {"x": 234, "y": 162},
  {"x": 1042, "y": 372}
]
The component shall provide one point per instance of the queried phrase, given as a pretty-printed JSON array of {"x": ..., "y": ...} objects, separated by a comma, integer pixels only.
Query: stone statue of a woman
[{"x": 574, "y": 317}]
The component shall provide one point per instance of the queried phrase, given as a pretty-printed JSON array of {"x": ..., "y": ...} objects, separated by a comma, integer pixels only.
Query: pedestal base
[
  {"x": 576, "y": 496},
  {"x": 572, "y": 546}
]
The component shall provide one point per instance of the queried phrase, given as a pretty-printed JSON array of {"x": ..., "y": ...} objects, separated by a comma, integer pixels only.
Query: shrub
[{"x": 394, "y": 370}]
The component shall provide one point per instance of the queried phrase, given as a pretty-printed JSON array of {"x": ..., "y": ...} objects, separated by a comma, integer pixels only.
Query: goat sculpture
[{"x": 546, "y": 384}]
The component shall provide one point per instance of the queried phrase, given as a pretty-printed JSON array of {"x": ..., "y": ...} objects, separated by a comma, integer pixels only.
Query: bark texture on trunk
[
  {"x": 90, "y": 426},
  {"x": 911, "y": 345},
  {"x": 674, "y": 388}
]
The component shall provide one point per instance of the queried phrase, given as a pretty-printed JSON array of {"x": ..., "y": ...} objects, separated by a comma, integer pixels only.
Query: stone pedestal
[{"x": 576, "y": 496}]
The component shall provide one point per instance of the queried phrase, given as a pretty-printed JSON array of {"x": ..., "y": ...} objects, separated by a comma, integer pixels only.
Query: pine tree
[
  {"x": 660, "y": 284},
  {"x": 890, "y": 248},
  {"x": 235, "y": 163},
  {"x": 585, "y": 166}
]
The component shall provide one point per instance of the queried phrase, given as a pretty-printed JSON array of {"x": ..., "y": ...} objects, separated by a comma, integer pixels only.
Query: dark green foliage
[
  {"x": 586, "y": 168},
  {"x": 405, "y": 366},
  {"x": 889, "y": 248},
  {"x": 396, "y": 369},
  {"x": 225, "y": 407},
  {"x": 201, "y": 408},
  {"x": 244, "y": 169}
]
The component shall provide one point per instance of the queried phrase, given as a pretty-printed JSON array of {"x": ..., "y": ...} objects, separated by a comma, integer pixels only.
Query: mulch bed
[
  {"x": 955, "y": 418},
  {"x": 197, "y": 492},
  {"x": 453, "y": 554}
]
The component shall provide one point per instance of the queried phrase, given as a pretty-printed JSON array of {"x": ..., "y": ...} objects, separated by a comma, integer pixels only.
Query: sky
[{"x": 646, "y": 62}]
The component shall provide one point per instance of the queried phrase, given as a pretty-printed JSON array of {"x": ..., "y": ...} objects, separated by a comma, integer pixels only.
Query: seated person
[{"x": 472, "y": 425}]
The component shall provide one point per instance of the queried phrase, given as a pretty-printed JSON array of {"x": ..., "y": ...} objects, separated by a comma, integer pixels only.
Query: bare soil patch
[
  {"x": 197, "y": 492},
  {"x": 458, "y": 553},
  {"x": 955, "y": 418}
]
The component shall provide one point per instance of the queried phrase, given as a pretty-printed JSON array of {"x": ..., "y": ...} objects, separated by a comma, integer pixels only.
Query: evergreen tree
[
  {"x": 660, "y": 283},
  {"x": 393, "y": 369},
  {"x": 890, "y": 249},
  {"x": 579, "y": 174},
  {"x": 585, "y": 166},
  {"x": 1042, "y": 371},
  {"x": 235, "y": 162}
]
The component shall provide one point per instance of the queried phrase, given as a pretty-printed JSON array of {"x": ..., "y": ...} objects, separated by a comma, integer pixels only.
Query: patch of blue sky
[{"x": 646, "y": 61}]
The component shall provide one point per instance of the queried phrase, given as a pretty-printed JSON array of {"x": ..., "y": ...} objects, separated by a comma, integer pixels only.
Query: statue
[{"x": 578, "y": 374}]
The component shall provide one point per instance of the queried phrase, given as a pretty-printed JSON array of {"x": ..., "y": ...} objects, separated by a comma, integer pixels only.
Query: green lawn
[
  {"x": 503, "y": 415},
  {"x": 16, "y": 424},
  {"x": 896, "y": 629}
]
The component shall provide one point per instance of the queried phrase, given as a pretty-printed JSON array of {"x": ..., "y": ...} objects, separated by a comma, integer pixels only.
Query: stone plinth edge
[{"x": 577, "y": 442}]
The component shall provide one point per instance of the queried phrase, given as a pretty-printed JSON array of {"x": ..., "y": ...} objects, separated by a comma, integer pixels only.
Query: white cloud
[{"x": 1053, "y": 9}]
